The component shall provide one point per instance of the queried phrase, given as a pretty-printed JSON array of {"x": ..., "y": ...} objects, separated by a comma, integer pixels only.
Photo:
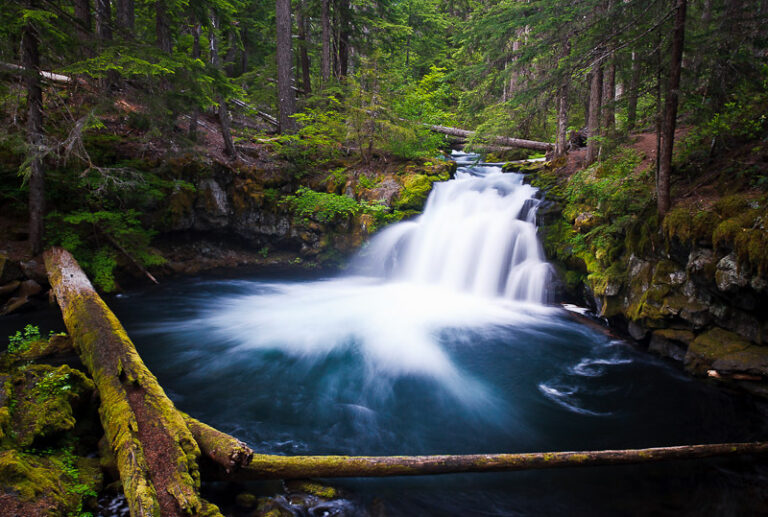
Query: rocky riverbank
[{"x": 693, "y": 289}]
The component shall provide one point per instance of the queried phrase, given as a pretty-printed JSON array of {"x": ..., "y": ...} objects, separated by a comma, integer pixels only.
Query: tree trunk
[
  {"x": 344, "y": 33},
  {"x": 670, "y": 108},
  {"x": 593, "y": 123},
  {"x": 221, "y": 448},
  {"x": 84, "y": 23},
  {"x": 502, "y": 140},
  {"x": 155, "y": 451},
  {"x": 163, "y": 27},
  {"x": 561, "y": 144},
  {"x": 192, "y": 133},
  {"x": 609, "y": 96},
  {"x": 301, "y": 22},
  {"x": 223, "y": 113},
  {"x": 296, "y": 467},
  {"x": 30, "y": 55},
  {"x": 634, "y": 84},
  {"x": 325, "y": 57},
  {"x": 126, "y": 17},
  {"x": 104, "y": 20},
  {"x": 286, "y": 98}
]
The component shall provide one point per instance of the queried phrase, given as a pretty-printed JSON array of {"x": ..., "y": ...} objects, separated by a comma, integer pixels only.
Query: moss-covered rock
[
  {"x": 415, "y": 191},
  {"x": 712, "y": 346}
]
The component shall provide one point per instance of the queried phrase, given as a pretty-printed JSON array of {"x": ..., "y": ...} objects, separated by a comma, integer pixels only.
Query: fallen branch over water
[
  {"x": 498, "y": 140},
  {"x": 296, "y": 467}
]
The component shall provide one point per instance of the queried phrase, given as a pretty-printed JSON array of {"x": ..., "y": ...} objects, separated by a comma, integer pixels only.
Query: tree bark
[
  {"x": 223, "y": 112},
  {"x": 301, "y": 22},
  {"x": 297, "y": 467},
  {"x": 344, "y": 33},
  {"x": 84, "y": 23},
  {"x": 609, "y": 95},
  {"x": 163, "y": 27},
  {"x": 196, "y": 53},
  {"x": 286, "y": 98},
  {"x": 30, "y": 51},
  {"x": 155, "y": 451},
  {"x": 561, "y": 143},
  {"x": 634, "y": 84},
  {"x": 670, "y": 109},
  {"x": 503, "y": 140},
  {"x": 593, "y": 123},
  {"x": 221, "y": 448},
  {"x": 325, "y": 57},
  {"x": 104, "y": 20},
  {"x": 126, "y": 17}
]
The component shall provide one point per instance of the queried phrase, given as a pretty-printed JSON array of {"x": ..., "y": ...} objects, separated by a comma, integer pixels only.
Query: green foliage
[
  {"x": 21, "y": 340},
  {"x": 94, "y": 237},
  {"x": 308, "y": 204}
]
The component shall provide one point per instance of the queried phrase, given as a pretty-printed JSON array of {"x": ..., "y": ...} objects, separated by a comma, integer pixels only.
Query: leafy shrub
[
  {"x": 94, "y": 238},
  {"x": 21, "y": 340},
  {"x": 308, "y": 204}
]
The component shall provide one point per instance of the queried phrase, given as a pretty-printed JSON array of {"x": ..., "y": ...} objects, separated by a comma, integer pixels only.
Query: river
[{"x": 440, "y": 339}]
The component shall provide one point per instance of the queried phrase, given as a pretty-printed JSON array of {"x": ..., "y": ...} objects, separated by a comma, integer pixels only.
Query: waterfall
[{"x": 477, "y": 234}]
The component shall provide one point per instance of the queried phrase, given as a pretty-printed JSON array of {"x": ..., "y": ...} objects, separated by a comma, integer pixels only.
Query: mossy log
[
  {"x": 156, "y": 454},
  {"x": 499, "y": 140},
  {"x": 221, "y": 448},
  {"x": 297, "y": 467}
]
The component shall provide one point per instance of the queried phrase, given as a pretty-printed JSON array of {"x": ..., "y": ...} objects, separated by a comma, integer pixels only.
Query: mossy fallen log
[
  {"x": 156, "y": 454},
  {"x": 297, "y": 467}
]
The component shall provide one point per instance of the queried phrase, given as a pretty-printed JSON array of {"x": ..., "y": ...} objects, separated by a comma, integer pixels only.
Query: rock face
[
  {"x": 689, "y": 297},
  {"x": 257, "y": 211}
]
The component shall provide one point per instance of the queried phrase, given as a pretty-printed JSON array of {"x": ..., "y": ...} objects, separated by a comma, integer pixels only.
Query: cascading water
[{"x": 477, "y": 234}]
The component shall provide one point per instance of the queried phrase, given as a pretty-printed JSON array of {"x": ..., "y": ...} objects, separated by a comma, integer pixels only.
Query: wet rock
[
  {"x": 671, "y": 343},
  {"x": 35, "y": 270},
  {"x": 637, "y": 331},
  {"x": 703, "y": 262},
  {"x": 9, "y": 270},
  {"x": 719, "y": 348},
  {"x": 668, "y": 273},
  {"x": 730, "y": 277},
  {"x": 695, "y": 313},
  {"x": 212, "y": 205}
]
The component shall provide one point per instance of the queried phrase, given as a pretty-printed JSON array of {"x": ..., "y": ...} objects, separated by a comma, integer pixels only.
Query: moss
[
  {"x": 679, "y": 336},
  {"x": 415, "y": 191},
  {"x": 690, "y": 226},
  {"x": 610, "y": 281},
  {"x": 51, "y": 484},
  {"x": 45, "y": 397},
  {"x": 751, "y": 245},
  {"x": 711, "y": 345},
  {"x": 312, "y": 488},
  {"x": 731, "y": 206}
]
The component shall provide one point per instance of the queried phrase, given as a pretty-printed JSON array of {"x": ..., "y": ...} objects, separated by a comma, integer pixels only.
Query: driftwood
[
  {"x": 498, "y": 140},
  {"x": 296, "y": 467},
  {"x": 155, "y": 451}
]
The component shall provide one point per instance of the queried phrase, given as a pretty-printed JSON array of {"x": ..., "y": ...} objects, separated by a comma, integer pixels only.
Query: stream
[{"x": 439, "y": 339}]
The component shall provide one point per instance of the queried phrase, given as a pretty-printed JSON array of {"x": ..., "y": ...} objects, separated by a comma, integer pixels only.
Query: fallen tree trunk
[
  {"x": 223, "y": 449},
  {"x": 296, "y": 467},
  {"x": 155, "y": 451},
  {"x": 499, "y": 140}
]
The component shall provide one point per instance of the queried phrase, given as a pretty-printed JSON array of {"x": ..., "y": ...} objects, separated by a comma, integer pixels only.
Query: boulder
[
  {"x": 730, "y": 277},
  {"x": 671, "y": 343}
]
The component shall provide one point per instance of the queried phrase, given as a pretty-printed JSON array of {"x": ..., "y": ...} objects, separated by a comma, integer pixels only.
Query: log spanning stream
[{"x": 439, "y": 341}]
